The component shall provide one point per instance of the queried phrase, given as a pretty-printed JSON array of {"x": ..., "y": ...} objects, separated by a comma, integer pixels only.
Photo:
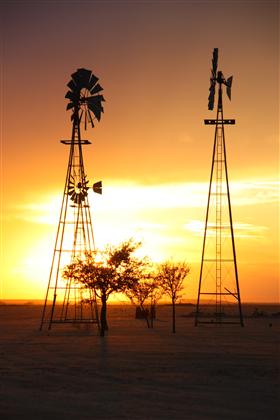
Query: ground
[{"x": 204, "y": 372}]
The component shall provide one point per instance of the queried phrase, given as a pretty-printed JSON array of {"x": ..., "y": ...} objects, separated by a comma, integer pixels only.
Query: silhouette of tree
[
  {"x": 114, "y": 269},
  {"x": 171, "y": 276},
  {"x": 155, "y": 295},
  {"x": 147, "y": 288}
]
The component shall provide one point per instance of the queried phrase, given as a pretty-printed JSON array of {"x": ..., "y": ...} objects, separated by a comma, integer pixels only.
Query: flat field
[{"x": 205, "y": 372}]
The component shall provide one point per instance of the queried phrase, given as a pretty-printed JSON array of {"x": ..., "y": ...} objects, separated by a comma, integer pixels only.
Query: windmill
[
  {"x": 65, "y": 301},
  {"x": 218, "y": 280}
]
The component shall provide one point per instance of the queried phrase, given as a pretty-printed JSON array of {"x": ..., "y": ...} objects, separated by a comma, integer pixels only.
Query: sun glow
[{"x": 168, "y": 220}]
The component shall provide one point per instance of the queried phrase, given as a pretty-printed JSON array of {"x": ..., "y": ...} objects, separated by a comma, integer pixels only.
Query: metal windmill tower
[
  {"x": 218, "y": 281},
  {"x": 65, "y": 301}
]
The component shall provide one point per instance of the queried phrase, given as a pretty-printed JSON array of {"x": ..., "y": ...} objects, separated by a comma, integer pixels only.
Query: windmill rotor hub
[
  {"x": 77, "y": 190},
  {"x": 220, "y": 79}
]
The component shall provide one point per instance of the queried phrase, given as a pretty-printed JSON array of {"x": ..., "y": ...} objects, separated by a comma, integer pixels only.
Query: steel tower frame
[
  {"x": 76, "y": 305},
  {"x": 218, "y": 172}
]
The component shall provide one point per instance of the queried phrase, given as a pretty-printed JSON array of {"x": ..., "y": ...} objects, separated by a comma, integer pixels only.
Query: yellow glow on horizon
[{"x": 167, "y": 218}]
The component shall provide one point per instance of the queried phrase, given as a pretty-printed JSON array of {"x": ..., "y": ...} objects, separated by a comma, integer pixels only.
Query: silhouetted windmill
[
  {"x": 218, "y": 281},
  {"x": 68, "y": 302}
]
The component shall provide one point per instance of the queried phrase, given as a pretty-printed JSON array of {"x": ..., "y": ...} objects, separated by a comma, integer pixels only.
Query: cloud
[
  {"x": 185, "y": 195},
  {"x": 241, "y": 230},
  {"x": 121, "y": 199},
  {"x": 43, "y": 211},
  {"x": 252, "y": 192}
]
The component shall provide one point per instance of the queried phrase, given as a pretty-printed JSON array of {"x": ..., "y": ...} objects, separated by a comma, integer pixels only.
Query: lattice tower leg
[
  {"x": 74, "y": 237},
  {"x": 218, "y": 281}
]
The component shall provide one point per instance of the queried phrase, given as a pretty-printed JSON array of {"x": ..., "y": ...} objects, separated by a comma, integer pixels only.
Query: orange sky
[{"x": 151, "y": 148}]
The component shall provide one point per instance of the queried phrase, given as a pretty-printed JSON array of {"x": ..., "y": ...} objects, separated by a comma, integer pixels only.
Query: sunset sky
[{"x": 151, "y": 147}]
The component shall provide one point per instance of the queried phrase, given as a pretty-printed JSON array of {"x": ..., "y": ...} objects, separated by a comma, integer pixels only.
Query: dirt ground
[{"x": 204, "y": 372}]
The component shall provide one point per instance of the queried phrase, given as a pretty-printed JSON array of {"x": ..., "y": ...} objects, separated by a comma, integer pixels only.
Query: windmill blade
[
  {"x": 69, "y": 95},
  {"x": 70, "y": 105},
  {"x": 84, "y": 74},
  {"x": 94, "y": 104},
  {"x": 75, "y": 78},
  {"x": 215, "y": 62},
  {"x": 71, "y": 189},
  {"x": 90, "y": 118},
  {"x": 93, "y": 80},
  {"x": 71, "y": 186},
  {"x": 211, "y": 96},
  {"x": 82, "y": 196},
  {"x": 96, "y": 111},
  {"x": 97, "y": 88},
  {"x": 85, "y": 119},
  {"x": 81, "y": 115},
  {"x": 79, "y": 199},
  {"x": 228, "y": 85},
  {"x": 81, "y": 77},
  {"x": 96, "y": 108},
  {"x": 72, "y": 85},
  {"x": 73, "y": 96}
]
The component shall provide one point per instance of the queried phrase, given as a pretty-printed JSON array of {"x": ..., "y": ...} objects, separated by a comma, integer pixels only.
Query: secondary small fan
[
  {"x": 85, "y": 100},
  {"x": 217, "y": 77},
  {"x": 77, "y": 190}
]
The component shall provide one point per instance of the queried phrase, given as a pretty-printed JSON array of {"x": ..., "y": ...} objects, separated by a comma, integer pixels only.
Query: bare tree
[
  {"x": 146, "y": 289},
  {"x": 171, "y": 276},
  {"x": 155, "y": 295},
  {"x": 113, "y": 270},
  {"x": 138, "y": 295}
]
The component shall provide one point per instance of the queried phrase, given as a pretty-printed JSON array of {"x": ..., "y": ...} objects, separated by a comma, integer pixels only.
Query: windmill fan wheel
[
  {"x": 84, "y": 96},
  {"x": 77, "y": 190}
]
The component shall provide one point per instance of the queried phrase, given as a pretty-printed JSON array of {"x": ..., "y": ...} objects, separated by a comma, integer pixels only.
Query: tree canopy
[{"x": 114, "y": 269}]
